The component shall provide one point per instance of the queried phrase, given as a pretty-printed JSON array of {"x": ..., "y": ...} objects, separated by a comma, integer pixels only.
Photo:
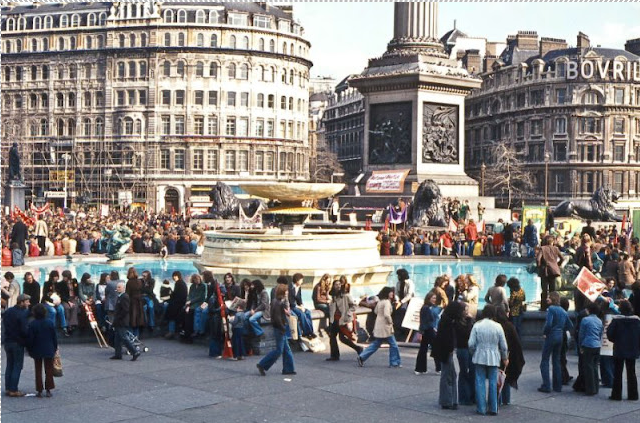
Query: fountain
[{"x": 291, "y": 248}]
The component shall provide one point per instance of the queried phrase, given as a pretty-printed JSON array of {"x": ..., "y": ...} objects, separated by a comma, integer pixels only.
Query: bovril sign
[{"x": 615, "y": 70}]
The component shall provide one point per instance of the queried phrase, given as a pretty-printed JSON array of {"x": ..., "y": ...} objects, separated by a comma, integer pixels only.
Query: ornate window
[
  {"x": 213, "y": 70},
  {"x": 200, "y": 40},
  {"x": 214, "y": 41},
  {"x": 232, "y": 41},
  {"x": 166, "y": 68}
]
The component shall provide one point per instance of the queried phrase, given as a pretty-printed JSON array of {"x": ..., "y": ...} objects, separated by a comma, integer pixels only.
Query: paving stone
[
  {"x": 168, "y": 400},
  {"x": 371, "y": 389},
  {"x": 58, "y": 411},
  {"x": 233, "y": 411}
]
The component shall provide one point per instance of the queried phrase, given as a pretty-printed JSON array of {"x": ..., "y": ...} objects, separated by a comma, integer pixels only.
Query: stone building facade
[
  {"x": 343, "y": 127},
  {"x": 154, "y": 102},
  {"x": 573, "y": 131}
]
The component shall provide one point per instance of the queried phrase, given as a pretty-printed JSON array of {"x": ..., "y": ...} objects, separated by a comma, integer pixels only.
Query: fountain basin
[{"x": 267, "y": 254}]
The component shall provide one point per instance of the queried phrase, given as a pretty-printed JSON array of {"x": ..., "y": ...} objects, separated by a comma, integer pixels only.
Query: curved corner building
[{"x": 152, "y": 103}]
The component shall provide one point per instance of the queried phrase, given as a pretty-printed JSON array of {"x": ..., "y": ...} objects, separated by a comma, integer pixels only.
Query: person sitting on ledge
[{"x": 305, "y": 324}]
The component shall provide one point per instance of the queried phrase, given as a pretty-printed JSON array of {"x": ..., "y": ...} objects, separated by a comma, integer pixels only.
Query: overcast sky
[{"x": 344, "y": 36}]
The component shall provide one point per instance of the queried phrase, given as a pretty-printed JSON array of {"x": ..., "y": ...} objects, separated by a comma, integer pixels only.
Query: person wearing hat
[{"x": 14, "y": 337}]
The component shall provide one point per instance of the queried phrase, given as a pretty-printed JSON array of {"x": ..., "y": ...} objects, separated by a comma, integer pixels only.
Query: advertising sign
[{"x": 538, "y": 214}]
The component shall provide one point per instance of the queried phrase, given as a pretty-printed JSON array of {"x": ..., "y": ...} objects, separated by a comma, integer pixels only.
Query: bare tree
[
  {"x": 324, "y": 164},
  {"x": 507, "y": 174}
]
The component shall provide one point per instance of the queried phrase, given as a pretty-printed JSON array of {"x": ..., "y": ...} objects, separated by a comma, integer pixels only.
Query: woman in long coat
[
  {"x": 42, "y": 343},
  {"x": 177, "y": 300},
  {"x": 136, "y": 310},
  {"x": 216, "y": 330},
  {"x": 516, "y": 356},
  {"x": 442, "y": 351}
]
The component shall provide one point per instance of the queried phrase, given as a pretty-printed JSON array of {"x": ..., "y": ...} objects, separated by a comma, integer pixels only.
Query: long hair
[
  {"x": 85, "y": 277},
  {"x": 103, "y": 279},
  {"x": 132, "y": 273},
  {"x": 385, "y": 293},
  {"x": 281, "y": 289},
  {"x": 258, "y": 286}
]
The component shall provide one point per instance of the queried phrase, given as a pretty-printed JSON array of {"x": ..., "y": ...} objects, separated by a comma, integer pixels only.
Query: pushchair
[{"x": 137, "y": 343}]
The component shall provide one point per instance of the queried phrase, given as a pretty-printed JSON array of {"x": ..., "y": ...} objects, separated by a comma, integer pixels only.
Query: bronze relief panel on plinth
[
  {"x": 390, "y": 133},
  {"x": 440, "y": 134}
]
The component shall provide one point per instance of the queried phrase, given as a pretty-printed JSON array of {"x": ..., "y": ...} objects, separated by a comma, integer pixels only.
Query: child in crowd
[
  {"x": 34, "y": 249},
  {"x": 238, "y": 323}
]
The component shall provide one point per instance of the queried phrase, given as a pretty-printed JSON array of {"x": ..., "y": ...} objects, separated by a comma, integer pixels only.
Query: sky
[{"x": 344, "y": 35}]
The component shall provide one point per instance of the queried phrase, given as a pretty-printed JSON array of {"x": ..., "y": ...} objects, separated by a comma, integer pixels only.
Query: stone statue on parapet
[
  {"x": 118, "y": 241},
  {"x": 15, "y": 174},
  {"x": 227, "y": 206},
  {"x": 599, "y": 208},
  {"x": 427, "y": 210}
]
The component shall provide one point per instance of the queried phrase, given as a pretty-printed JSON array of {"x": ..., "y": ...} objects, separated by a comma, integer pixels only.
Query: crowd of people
[{"x": 83, "y": 232}]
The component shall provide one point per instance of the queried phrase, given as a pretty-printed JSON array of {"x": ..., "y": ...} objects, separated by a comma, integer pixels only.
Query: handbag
[{"x": 57, "y": 364}]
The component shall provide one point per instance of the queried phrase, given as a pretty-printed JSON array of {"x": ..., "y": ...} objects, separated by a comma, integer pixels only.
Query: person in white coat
[
  {"x": 488, "y": 345},
  {"x": 383, "y": 330}
]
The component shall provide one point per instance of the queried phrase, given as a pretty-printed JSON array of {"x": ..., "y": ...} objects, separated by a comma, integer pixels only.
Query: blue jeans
[
  {"x": 237, "y": 343},
  {"x": 282, "y": 349},
  {"x": 552, "y": 348},
  {"x": 200, "y": 319},
  {"x": 482, "y": 374},
  {"x": 100, "y": 314},
  {"x": 607, "y": 365},
  {"x": 15, "y": 360},
  {"x": 466, "y": 377},
  {"x": 56, "y": 311},
  {"x": 215, "y": 347},
  {"x": 254, "y": 321},
  {"x": 148, "y": 310},
  {"x": 394, "y": 352},
  {"x": 305, "y": 324},
  {"x": 505, "y": 395},
  {"x": 172, "y": 326},
  {"x": 517, "y": 322}
]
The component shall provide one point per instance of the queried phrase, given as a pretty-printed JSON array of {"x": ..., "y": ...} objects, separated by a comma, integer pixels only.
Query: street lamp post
[
  {"x": 546, "y": 178},
  {"x": 482, "y": 170},
  {"x": 66, "y": 157}
]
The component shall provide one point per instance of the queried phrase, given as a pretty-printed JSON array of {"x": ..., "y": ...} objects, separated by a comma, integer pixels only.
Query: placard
[
  {"x": 387, "y": 181},
  {"x": 412, "y": 317},
  {"x": 590, "y": 285}
]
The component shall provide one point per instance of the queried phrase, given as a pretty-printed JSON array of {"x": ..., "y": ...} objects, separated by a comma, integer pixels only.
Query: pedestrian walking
[
  {"x": 279, "y": 322},
  {"x": 42, "y": 344},
  {"x": 341, "y": 314},
  {"x": 121, "y": 325},
  {"x": 429, "y": 319},
  {"x": 383, "y": 330}
]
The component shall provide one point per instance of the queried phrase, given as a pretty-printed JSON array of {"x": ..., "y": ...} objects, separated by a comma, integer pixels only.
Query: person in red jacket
[{"x": 471, "y": 234}]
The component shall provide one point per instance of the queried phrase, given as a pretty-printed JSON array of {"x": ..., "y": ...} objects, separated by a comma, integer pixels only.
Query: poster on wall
[{"x": 387, "y": 181}]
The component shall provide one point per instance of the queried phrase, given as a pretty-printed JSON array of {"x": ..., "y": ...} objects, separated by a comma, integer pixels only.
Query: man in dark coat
[
  {"x": 19, "y": 235},
  {"x": 121, "y": 325},
  {"x": 14, "y": 338},
  {"x": 111, "y": 294},
  {"x": 590, "y": 230}
]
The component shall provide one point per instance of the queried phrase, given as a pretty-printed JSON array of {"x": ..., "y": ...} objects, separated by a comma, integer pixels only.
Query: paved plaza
[{"x": 174, "y": 382}]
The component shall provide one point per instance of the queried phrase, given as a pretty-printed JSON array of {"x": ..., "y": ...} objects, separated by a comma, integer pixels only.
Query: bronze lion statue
[
  {"x": 227, "y": 206},
  {"x": 427, "y": 210},
  {"x": 599, "y": 207}
]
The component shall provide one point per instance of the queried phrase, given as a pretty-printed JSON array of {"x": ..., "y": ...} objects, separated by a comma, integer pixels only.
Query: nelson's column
[{"x": 414, "y": 105}]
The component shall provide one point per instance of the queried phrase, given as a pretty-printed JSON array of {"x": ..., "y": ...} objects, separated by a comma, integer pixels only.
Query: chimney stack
[
  {"x": 527, "y": 40},
  {"x": 583, "y": 41},
  {"x": 549, "y": 44},
  {"x": 472, "y": 62}
]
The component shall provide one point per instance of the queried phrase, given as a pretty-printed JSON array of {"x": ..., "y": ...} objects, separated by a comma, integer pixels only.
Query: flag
[
  {"x": 453, "y": 226},
  {"x": 590, "y": 285}
]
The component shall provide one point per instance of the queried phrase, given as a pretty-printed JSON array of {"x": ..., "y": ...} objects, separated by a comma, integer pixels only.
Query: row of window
[
  {"x": 234, "y": 160},
  {"x": 586, "y": 125},
  {"x": 537, "y": 98},
  {"x": 35, "y": 72},
  {"x": 89, "y": 42},
  {"x": 233, "y": 99},
  {"x": 234, "y": 126},
  {"x": 136, "y": 11},
  {"x": 234, "y": 71}
]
